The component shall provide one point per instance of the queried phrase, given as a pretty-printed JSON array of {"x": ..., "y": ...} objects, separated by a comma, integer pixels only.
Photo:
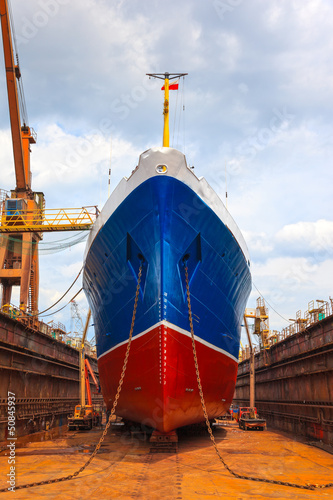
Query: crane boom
[
  {"x": 82, "y": 362},
  {"x": 22, "y": 136},
  {"x": 19, "y": 266},
  {"x": 88, "y": 366},
  {"x": 24, "y": 211}
]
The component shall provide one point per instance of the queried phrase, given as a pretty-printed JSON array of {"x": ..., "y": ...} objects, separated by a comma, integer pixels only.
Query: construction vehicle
[
  {"x": 86, "y": 416},
  {"x": 250, "y": 420},
  {"x": 83, "y": 418},
  {"x": 244, "y": 409}
]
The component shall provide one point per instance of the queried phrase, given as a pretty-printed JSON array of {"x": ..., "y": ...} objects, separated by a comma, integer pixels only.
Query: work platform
[
  {"x": 124, "y": 468},
  {"x": 294, "y": 381}
]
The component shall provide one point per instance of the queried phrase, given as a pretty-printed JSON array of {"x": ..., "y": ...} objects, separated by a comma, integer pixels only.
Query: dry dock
[
  {"x": 294, "y": 379},
  {"x": 42, "y": 372},
  {"x": 124, "y": 468}
]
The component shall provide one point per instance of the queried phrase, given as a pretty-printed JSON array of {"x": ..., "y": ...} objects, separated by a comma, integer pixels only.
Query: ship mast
[{"x": 166, "y": 77}]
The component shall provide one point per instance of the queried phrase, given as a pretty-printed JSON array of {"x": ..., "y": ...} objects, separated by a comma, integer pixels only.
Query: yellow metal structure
[
  {"x": 268, "y": 338},
  {"x": 166, "y": 77},
  {"x": 23, "y": 213},
  {"x": 316, "y": 312},
  {"x": 252, "y": 370},
  {"x": 261, "y": 322},
  {"x": 166, "y": 133},
  {"x": 47, "y": 220},
  {"x": 241, "y": 349},
  {"x": 19, "y": 261},
  {"x": 84, "y": 415},
  {"x": 82, "y": 362},
  {"x": 22, "y": 136}
]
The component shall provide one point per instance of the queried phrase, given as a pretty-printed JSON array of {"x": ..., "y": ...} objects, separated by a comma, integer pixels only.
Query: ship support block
[{"x": 164, "y": 442}]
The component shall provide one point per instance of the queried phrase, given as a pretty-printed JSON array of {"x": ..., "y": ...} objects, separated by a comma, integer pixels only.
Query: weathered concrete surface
[
  {"x": 125, "y": 469},
  {"x": 294, "y": 382}
]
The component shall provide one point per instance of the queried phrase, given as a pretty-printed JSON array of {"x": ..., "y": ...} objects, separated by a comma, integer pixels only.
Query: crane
[
  {"x": 23, "y": 212},
  {"x": 19, "y": 261},
  {"x": 85, "y": 415},
  {"x": 261, "y": 322},
  {"x": 76, "y": 323},
  {"x": 252, "y": 369}
]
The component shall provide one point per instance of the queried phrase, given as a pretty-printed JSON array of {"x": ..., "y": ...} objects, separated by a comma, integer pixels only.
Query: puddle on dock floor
[{"x": 125, "y": 469}]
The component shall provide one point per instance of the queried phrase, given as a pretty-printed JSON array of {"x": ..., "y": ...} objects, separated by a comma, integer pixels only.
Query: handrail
[
  {"x": 55, "y": 330},
  {"x": 312, "y": 316},
  {"x": 46, "y": 220}
]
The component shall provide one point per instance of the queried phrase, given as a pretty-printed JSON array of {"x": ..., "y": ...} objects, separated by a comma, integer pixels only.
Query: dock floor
[{"x": 124, "y": 468}]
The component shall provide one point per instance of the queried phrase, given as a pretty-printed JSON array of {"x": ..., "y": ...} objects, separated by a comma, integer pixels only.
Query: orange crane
[
  {"x": 86, "y": 375},
  {"x": 19, "y": 261},
  {"x": 85, "y": 416},
  {"x": 23, "y": 213}
]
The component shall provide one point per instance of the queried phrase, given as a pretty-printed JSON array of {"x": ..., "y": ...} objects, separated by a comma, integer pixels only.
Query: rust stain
[{"x": 127, "y": 470}]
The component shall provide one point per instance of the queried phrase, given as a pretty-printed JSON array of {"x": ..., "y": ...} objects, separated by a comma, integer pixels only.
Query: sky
[{"x": 253, "y": 116}]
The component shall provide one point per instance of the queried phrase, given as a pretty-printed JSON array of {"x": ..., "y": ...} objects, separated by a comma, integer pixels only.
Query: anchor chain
[
  {"x": 75, "y": 474},
  {"x": 209, "y": 428}
]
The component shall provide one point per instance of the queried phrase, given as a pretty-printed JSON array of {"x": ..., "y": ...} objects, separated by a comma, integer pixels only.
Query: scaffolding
[
  {"x": 317, "y": 311},
  {"x": 16, "y": 218}
]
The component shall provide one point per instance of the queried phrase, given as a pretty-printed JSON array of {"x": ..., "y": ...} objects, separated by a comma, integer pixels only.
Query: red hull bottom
[{"x": 160, "y": 388}]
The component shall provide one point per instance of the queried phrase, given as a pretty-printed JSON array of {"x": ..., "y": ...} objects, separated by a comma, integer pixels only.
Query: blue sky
[{"x": 258, "y": 103}]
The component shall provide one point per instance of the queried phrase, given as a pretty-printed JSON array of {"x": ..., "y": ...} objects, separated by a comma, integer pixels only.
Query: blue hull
[{"x": 164, "y": 221}]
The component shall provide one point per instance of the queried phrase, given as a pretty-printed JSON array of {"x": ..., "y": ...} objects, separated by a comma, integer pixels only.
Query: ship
[{"x": 161, "y": 223}]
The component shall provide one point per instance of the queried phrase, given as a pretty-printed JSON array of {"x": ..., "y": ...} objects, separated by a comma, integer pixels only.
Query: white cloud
[
  {"x": 71, "y": 170},
  {"x": 259, "y": 243},
  {"x": 314, "y": 238},
  {"x": 229, "y": 47},
  {"x": 289, "y": 284},
  {"x": 84, "y": 76},
  {"x": 7, "y": 172},
  {"x": 293, "y": 266}
]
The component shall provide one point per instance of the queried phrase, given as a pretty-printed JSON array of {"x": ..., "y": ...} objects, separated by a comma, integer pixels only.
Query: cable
[
  {"x": 180, "y": 113},
  {"x": 63, "y": 307},
  {"x": 50, "y": 247},
  {"x": 23, "y": 107},
  {"x": 175, "y": 119},
  {"x": 11, "y": 17},
  {"x": 184, "y": 123},
  {"x": 270, "y": 305},
  {"x": 42, "y": 312}
]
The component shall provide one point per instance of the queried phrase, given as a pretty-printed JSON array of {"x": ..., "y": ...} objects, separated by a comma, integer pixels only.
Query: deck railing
[
  {"x": 56, "y": 330},
  {"x": 316, "y": 312}
]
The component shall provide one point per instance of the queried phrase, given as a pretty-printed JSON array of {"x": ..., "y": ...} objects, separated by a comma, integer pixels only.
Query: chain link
[
  {"x": 236, "y": 475},
  {"x": 99, "y": 444},
  {"x": 209, "y": 428}
]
